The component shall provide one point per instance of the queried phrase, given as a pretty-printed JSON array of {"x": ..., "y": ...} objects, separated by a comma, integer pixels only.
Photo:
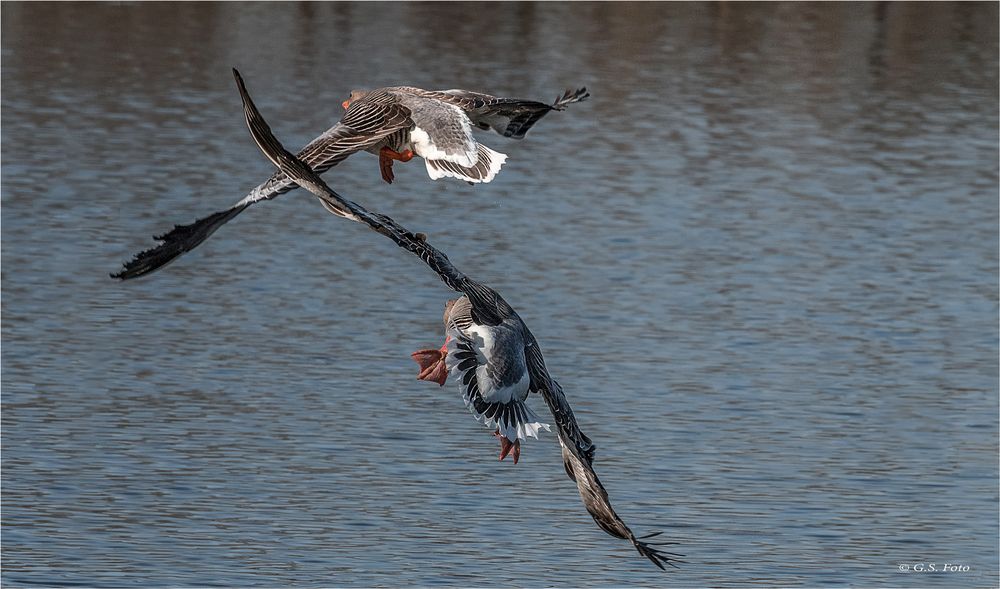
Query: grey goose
[
  {"x": 394, "y": 123},
  {"x": 491, "y": 364}
]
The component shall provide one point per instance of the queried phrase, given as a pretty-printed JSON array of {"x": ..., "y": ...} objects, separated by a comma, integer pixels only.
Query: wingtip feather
[
  {"x": 655, "y": 555},
  {"x": 569, "y": 97}
]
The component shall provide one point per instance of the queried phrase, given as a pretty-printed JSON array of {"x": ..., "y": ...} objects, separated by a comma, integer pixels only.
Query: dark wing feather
[
  {"x": 510, "y": 117},
  {"x": 595, "y": 499},
  {"x": 366, "y": 123},
  {"x": 578, "y": 458},
  {"x": 578, "y": 450},
  {"x": 178, "y": 241},
  {"x": 552, "y": 393}
]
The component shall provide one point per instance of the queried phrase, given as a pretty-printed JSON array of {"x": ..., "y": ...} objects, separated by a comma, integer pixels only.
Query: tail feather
[
  {"x": 484, "y": 170},
  {"x": 513, "y": 420}
]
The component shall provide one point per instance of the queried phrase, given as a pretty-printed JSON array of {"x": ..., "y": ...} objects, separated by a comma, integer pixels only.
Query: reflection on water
[{"x": 762, "y": 260}]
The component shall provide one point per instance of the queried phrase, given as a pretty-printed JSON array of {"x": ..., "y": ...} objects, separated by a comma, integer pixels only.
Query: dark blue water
[{"x": 762, "y": 261}]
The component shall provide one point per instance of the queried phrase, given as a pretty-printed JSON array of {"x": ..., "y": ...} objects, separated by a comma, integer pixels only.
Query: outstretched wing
[
  {"x": 578, "y": 457},
  {"x": 552, "y": 393},
  {"x": 578, "y": 450},
  {"x": 595, "y": 499},
  {"x": 510, "y": 117},
  {"x": 366, "y": 123}
]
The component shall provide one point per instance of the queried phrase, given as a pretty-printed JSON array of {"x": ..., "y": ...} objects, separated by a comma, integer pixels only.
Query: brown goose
[
  {"x": 396, "y": 124},
  {"x": 484, "y": 310}
]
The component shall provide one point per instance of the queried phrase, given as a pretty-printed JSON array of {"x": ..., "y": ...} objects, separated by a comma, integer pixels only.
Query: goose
[
  {"x": 478, "y": 310},
  {"x": 491, "y": 363},
  {"x": 395, "y": 123},
  {"x": 438, "y": 127}
]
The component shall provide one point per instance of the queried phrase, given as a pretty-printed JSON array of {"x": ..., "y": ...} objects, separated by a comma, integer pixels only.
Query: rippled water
[{"x": 762, "y": 260}]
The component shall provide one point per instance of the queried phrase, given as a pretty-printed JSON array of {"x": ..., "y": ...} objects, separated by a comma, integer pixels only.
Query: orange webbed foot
[
  {"x": 432, "y": 364},
  {"x": 385, "y": 167},
  {"x": 385, "y": 159},
  {"x": 508, "y": 447}
]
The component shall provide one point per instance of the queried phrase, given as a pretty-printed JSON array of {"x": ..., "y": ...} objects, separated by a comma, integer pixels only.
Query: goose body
[
  {"x": 441, "y": 134},
  {"x": 489, "y": 363}
]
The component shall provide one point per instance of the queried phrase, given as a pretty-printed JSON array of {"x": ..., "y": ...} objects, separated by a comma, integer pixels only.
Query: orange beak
[{"x": 345, "y": 104}]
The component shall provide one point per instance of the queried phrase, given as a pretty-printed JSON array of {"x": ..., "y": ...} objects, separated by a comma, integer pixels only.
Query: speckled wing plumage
[
  {"x": 376, "y": 118},
  {"x": 366, "y": 123},
  {"x": 487, "y": 305}
]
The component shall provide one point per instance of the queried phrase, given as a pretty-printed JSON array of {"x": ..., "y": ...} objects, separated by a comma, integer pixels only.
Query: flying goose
[
  {"x": 491, "y": 363},
  {"x": 395, "y": 123},
  {"x": 440, "y": 127},
  {"x": 479, "y": 308}
]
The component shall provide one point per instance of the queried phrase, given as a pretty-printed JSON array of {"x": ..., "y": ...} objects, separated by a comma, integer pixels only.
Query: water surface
[{"x": 762, "y": 261}]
